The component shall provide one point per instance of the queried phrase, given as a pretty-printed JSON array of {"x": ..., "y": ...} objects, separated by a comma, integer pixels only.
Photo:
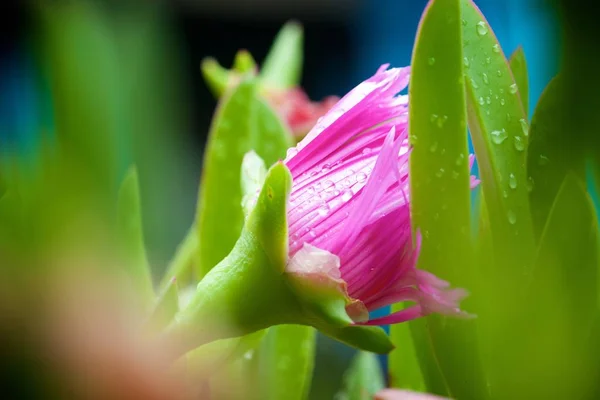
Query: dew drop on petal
[
  {"x": 323, "y": 210},
  {"x": 291, "y": 152},
  {"x": 361, "y": 177},
  {"x": 347, "y": 195}
]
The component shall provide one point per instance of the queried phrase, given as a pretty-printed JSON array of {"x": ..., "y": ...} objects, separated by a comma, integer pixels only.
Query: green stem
[{"x": 239, "y": 296}]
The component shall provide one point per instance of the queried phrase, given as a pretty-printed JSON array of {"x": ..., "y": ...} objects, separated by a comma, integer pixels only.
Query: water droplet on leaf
[
  {"x": 519, "y": 144},
  {"x": 524, "y": 126},
  {"x": 512, "y": 217},
  {"x": 499, "y": 136},
  {"x": 513, "y": 89},
  {"x": 530, "y": 184},
  {"x": 512, "y": 181},
  {"x": 481, "y": 28}
]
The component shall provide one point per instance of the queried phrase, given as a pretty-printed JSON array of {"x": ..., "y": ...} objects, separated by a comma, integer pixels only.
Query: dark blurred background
[{"x": 153, "y": 51}]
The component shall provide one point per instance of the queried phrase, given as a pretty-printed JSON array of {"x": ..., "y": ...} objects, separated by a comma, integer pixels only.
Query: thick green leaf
[
  {"x": 131, "y": 236},
  {"x": 499, "y": 132},
  {"x": 562, "y": 303},
  {"x": 440, "y": 188},
  {"x": 548, "y": 159},
  {"x": 242, "y": 123},
  {"x": 363, "y": 379},
  {"x": 286, "y": 362},
  {"x": 518, "y": 66},
  {"x": 283, "y": 66}
]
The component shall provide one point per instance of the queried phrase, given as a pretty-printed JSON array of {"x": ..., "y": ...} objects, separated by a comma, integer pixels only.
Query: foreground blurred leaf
[
  {"x": 499, "y": 132},
  {"x": 548, "y": 159},
  {"x": 286, "y": 362},
  {"x": 363, "y": 378},
  {"x": 518, "y": 66},
  {"x": 282, "y": 67},
  {"x": 165, "y": 308},
  {"x": 562, "y": 302},
  {"x": 242, "y": 123},
  {"x": 132, "y": 238},
  {"x": 440, "y": 191}
]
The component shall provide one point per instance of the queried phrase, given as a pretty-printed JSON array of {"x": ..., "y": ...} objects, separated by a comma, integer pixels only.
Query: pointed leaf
[
  {"x": 216, "y": 77},
  {"x": 518, "y": 66},
  {"x": 283, "y": 66},
  {"x": 364, "y": 377},
  {"x": 440, "y": 186},
  {"x": 548, "y": 159},
  {"x": 132, "y": 238},
  {"x": 242, "y": 123}
]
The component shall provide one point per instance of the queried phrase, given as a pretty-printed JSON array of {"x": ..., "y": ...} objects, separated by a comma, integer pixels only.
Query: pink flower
[
  {"x": 349, "y": 215},
  {"x": 297, "y": 110}
]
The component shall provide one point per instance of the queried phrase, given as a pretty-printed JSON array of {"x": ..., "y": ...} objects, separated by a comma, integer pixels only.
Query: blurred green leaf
[
  {"x": 363, "y": 379},
  {"x": 282, "y": 67},
  {"x": 242, "y": 123},
  {"x": 216, "y": 77},
  {"x": 286, "y": 362},
  {"x": 548, "y": 159},
  {"x": 131, "y": 236},
  {"x": 243, "y": 62},
  {"x": 499, "y": 131},
  {"x": 518, "y": 67},
  {"x": 82, "y": 62},
  {"x": 440, "y": 191},
  {"x": 561, "y": 306}
]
